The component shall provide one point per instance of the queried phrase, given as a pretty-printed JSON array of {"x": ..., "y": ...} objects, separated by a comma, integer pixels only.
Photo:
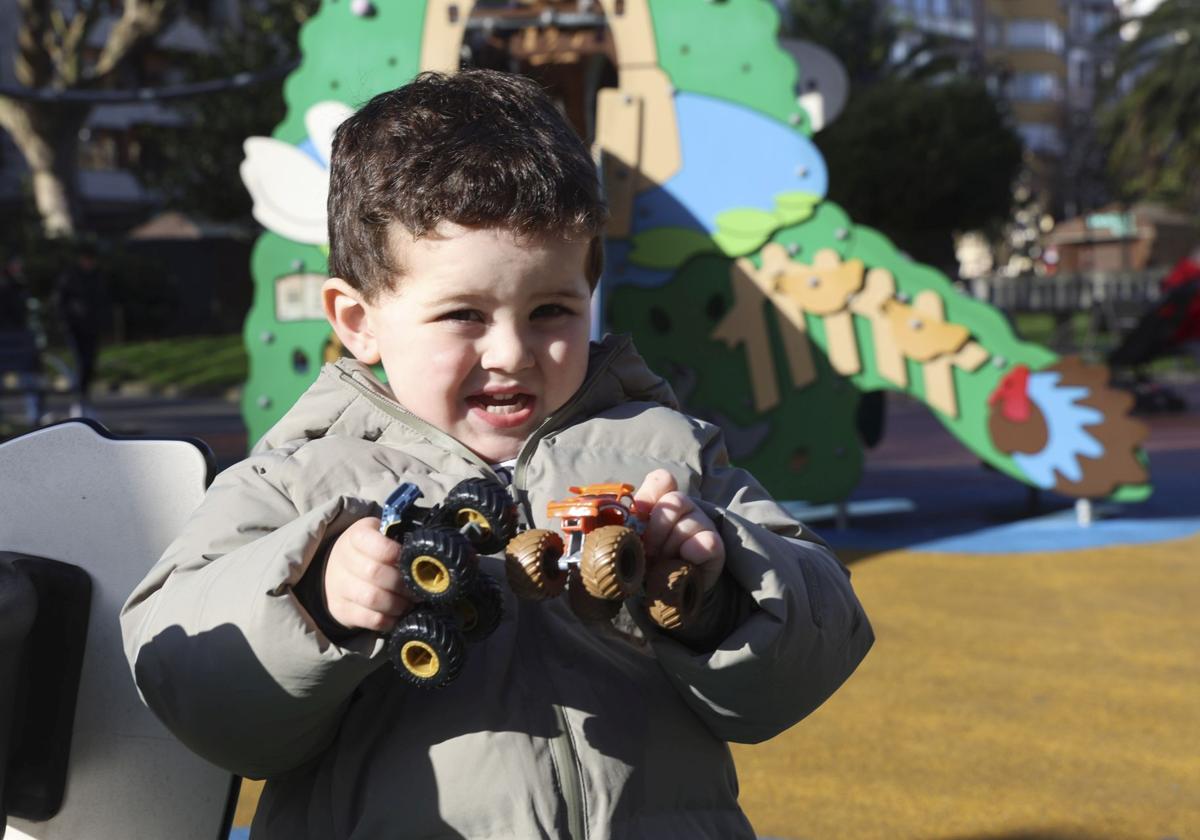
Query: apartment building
[{"x": 1045, "y": 57}]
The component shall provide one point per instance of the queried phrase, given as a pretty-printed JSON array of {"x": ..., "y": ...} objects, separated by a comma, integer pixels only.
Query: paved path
[{"x": 962, "y": 506}]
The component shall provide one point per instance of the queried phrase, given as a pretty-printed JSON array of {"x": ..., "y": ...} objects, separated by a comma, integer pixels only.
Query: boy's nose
[{"x": 506, "y": 350}]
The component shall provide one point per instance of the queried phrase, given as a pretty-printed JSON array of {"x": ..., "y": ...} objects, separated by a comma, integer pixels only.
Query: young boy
[{"x": 464, "y": 222}]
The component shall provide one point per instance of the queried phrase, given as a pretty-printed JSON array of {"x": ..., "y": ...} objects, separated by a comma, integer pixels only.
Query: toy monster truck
[
  {"x": 456, "y": 603},
  {"x": 603, "y": 562}
]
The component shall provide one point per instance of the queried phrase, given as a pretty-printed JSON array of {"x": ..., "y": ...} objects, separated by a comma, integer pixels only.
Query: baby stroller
[{"x": 1168, "y": 328}]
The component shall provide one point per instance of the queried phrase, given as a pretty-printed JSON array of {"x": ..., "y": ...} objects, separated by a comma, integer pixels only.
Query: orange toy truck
[{"x": 602, "y": 562}]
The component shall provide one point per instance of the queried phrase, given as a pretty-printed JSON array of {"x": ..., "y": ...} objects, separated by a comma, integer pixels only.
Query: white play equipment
[{"x": 83, "y": 516}]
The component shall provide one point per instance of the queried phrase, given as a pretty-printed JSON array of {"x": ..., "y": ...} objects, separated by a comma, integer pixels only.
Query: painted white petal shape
[
  {"x": 321, "y": 120},
  {"x": 289, "y": 189}
]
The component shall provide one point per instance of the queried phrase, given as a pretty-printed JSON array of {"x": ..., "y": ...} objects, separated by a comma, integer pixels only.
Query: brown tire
[
  {"x": 584, "y": 604},
  {"x": 673, "y": 595},
  {"x": 613, "y": 562},
  {"x": 531, "y": 563}
]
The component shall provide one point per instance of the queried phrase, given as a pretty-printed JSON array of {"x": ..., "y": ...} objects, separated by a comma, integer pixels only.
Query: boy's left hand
[{"x": 677, "y": 528}]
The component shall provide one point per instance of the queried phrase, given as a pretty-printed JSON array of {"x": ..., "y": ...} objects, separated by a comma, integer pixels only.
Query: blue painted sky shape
[
  {"x": 1067, "y": 424},
  {"x": 733, "y": 157}
]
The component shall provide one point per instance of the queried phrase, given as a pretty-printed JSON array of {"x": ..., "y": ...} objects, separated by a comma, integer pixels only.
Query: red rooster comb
[{"x": 1013, "y": 395}]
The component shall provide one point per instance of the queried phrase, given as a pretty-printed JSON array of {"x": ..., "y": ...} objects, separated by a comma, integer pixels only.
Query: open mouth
[{"x": 502, "y": 410}]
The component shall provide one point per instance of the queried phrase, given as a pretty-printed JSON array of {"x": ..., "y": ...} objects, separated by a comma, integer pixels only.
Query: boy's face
[{"x": 483, "y": 336}]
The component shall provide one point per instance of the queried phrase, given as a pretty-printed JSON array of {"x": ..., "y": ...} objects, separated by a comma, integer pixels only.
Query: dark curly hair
[{"x": 479, "y": 149}]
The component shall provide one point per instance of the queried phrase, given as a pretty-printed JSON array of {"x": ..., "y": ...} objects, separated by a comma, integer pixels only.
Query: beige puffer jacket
[{"x": 554, "y": 729}]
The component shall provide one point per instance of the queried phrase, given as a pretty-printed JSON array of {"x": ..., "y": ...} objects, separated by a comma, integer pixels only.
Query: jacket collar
[{"x": 348, "y": 399}]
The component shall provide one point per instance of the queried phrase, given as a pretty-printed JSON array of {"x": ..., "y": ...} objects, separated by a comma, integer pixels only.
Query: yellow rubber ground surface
[
  {"x": 1018, "y": 696},
  {"x": 1008, "y": 697}
]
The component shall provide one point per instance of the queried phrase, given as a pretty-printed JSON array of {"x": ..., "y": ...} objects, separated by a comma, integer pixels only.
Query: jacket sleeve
[
  {"x": 805, "y": 634},
  {"x": 222, "y": 651}
]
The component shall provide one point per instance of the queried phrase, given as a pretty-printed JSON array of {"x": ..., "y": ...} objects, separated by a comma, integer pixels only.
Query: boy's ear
[{"x": 349, "y": 316}]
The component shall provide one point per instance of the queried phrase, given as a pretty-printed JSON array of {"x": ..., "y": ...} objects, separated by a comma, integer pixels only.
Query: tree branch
[
  {"x": 140, "y": 21},
  {"x": 65, "y": 49},
  {"x": 32, "y": 62}
]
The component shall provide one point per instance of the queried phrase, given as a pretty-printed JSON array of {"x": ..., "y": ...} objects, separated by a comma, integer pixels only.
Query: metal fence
[
  {"x": 1070, "y": 292},
  {"x": 1112, "y": 300}
]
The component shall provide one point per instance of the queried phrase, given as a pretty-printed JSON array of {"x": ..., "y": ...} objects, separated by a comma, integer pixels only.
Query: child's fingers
[
  {"x": 363, "y": 586},
  {"x": 384, "y": 575},
  {"x": 655, "y": 485},
  {"x": 688, "y": 526},
  {"x": 706, "y": 553},
  {"x": 375, "y": 599},
  {"x": 356, "y": 616},
  {"x": 355, "y": 603},
  {"x": 702, "y": 547},
  {"x": 668, "y": 511},
  {"x": 365, "y": 537}
]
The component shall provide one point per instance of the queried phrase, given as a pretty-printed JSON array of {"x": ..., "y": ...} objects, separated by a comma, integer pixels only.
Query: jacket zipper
[
  {"x": 562, "y": 746},
  {"x": 562, "y": 749}
]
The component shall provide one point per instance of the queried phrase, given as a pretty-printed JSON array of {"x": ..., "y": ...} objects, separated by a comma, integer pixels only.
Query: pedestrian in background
[
  {"x": 20, "y": 352},
  {"x": 14, "y": 296},
  {"x": 81, "y": 297}
]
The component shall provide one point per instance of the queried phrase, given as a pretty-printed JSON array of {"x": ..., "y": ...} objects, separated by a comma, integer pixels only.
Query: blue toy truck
[{"x": 456, "y": 604}]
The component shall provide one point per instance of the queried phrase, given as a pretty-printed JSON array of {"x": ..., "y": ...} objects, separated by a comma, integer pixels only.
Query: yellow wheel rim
[
  {"x": 469, "y": 516},
  {"x": 420, "y": 659},
  {"x": 431, "y": 574}
]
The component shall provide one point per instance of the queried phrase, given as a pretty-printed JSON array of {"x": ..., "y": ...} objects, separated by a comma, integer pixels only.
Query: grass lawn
[
  {"x": 193, "y": 365},
  {"x": 1076, "y": 335}
]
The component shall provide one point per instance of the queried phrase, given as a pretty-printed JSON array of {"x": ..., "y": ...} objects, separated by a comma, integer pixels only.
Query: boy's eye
[
  {"x": 462, "y": 315},
  {"x": 550, "y": 310}
]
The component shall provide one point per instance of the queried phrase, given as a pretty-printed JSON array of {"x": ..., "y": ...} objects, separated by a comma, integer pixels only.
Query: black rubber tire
[
  {"x": 613, "y": 562},
  {"x": 426, "y": 648},
  {"x": 487, "y": 504},
  {"x": 673, "y": 594},
  {"x": 479, "y": 612},
  {"x": 531, "y": 564},
  {"x": 438, "y": 565}
]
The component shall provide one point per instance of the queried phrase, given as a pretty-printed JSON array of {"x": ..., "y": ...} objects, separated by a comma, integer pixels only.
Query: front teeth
[{"x": 503, "y": 403}]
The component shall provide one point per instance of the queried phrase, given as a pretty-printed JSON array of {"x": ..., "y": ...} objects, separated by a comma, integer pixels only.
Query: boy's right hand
[{"x": 363, "y": 585}]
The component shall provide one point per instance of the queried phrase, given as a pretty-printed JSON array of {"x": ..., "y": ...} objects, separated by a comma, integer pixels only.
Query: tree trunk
[
  {"x": 47, "y": 136},
  {"x": 51, "y": 55}
]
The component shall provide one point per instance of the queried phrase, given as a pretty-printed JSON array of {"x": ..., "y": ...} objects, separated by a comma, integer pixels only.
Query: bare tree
[{"x": 52, "y": 57}]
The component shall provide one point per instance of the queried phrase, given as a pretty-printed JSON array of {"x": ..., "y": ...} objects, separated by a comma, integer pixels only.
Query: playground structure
[{"x": 768, "y": 309}]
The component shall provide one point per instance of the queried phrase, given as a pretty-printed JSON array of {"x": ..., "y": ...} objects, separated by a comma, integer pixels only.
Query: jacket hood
[{"x": 348, "y": 399}]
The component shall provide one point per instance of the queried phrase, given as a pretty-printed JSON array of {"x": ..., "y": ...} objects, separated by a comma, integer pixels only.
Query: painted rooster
[{"x": 1066, "y": 430}]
